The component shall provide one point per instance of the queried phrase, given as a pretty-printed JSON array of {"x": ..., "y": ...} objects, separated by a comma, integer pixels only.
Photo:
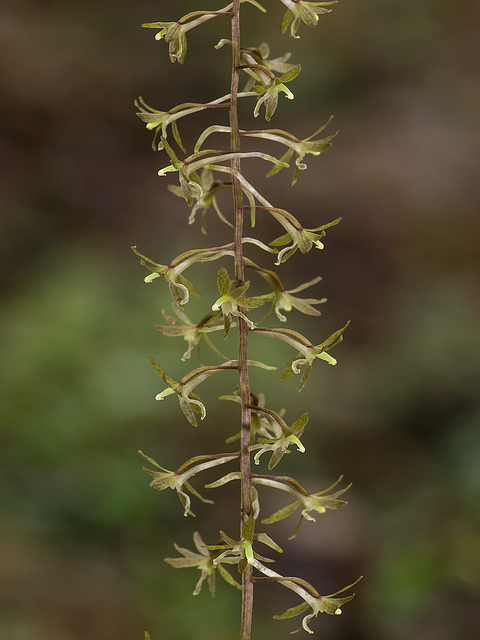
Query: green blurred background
[{"x": 82, "y": 537}]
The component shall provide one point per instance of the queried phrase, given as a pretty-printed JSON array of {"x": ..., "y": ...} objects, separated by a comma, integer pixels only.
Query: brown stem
[{"x": 246, "y": 481}]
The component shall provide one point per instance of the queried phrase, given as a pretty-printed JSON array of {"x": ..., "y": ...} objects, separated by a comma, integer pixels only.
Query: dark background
[{"x": 82, "y": 537}]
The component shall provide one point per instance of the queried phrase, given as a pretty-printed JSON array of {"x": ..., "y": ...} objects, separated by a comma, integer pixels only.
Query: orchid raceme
[
  {"x": 208, "y": 176},
  {"x": 179, "y": 480}
]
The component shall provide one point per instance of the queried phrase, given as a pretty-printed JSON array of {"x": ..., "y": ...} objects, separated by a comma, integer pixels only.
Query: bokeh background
[{"x": 82, "y": 537}]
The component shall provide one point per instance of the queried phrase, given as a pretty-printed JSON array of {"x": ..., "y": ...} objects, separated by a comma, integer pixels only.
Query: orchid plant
[{"x": 202, "y": 173}]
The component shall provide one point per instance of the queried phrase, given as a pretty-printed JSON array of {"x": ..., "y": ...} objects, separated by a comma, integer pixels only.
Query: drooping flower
[
  {"x": 313, "y": 600},
  {"x": 173, "y": 272},
  {"x": 300, "y": 238},
  {"x": 308, "y": 352},
  {"x": 269, "y": 92},
  {"x": 175, "y": 33},
  {"x": 184, "y": 389},
  {"x": 179, "y": 480},
  {"x": 301, "y": 11},
  {"x": 300, "y": 147},
  {"x": 210, "y": 187}
]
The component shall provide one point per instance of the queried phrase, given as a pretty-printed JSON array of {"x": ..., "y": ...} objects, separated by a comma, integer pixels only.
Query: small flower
[
  {"x": 300, "y": 147},
  {"x": 319, "y": 604},
  {"x": 173, "y": 272},
  {"x": 179, "y": 480},
  {"x": 259, "y": 67},
  {"x": 269, "y": 92},
  {"x": 284, "y": 300},
  {"x": 189, "y": 400},
  {"x": 316, "y": 502},
  {"x": 283, "y": 437},
  {"x": 308, "y": 352},
  {"x": 241, "y": 551},
  {"x": 300, "y": 11},
  {"x": 210, "y": 187},
  {"x": 175, "y": 32},
  {"x": 301, "y": 238},
  {"x": 204, "y": 560},
  {"x": 192, "y": 333},
  {"x": 232, "y": 297},
  {"x": 313, "y": 600}
]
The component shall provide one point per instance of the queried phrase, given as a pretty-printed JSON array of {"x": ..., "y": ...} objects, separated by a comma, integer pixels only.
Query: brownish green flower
[
  {"x": 179, "y": 480},
  {"x": 281, "y": 438},
  {"x": 300, "y": 11},
  {"x": 192, "y": 333},
  {"x": 204, "y": 560},
  {"x": 231, "y": 298},
  {"x": 316, "y": 502}
]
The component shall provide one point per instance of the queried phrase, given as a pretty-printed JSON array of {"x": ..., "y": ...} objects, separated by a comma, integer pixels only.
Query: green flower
[
  {"x": 241, "y": 551},
  {"x": 204, "y": 561},
  {"x": 259, "y": 67},
  {"x": 159, "y": 121},
  {"x": 269, "y": 92},
  {"x": 173, "y": 272},
  {"x": 300, "y": 238},
  {"x": 231, "y": 298},
  {"x": 283, "y": 300},
  {"x": 175, "y": 33},
  {"x": 281, "y": 439},
  {"x": 316, "y": 502},
  {"x": 184, "y": 389},
  {"x": 210, "y": 188},
  {"x": 300, "y": 147},
  {"x": 179, "y": 480},
  {"x": 308, "y": 352},
  {"x": 300, "y": 11},
  {"x": 192, "y": 333},
  {"x": 314, "y": 601},
  {"x": 190, "y": 182}
]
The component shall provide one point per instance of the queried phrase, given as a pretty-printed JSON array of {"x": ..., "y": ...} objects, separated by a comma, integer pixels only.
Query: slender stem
[{"x": 246, "y": 478}]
